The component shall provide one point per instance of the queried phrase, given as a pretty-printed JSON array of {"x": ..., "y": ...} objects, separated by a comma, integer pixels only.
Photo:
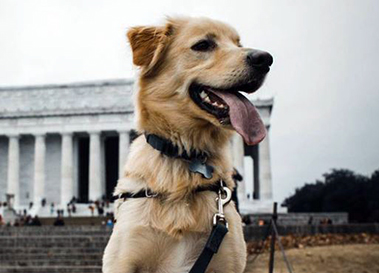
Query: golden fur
[{"x": 167, "y": 234}]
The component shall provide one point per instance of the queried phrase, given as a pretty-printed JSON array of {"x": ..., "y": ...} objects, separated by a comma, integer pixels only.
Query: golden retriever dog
[{"x": 191, "y": 72}]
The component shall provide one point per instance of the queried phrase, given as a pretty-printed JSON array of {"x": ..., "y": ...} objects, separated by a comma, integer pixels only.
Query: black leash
[{"x": 211, "y": 247}]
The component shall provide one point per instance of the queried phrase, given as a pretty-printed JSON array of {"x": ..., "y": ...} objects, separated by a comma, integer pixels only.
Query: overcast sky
[{"x": 324, "y": 79}]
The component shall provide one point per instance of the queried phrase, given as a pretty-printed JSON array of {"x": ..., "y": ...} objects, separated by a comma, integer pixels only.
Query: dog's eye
[{"x": 204, "y": 45}]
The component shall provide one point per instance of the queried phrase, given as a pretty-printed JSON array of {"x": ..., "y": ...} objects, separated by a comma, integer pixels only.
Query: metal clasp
[{"x": 223, "y": 198}]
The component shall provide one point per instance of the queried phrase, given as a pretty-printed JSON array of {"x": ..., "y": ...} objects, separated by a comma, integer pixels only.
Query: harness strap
[
  {"x": 148, "y": 193},
  {"x": 211, "y": 247},
  {"x": 212, "y": 187},
  {"x": 141, "y": 194}
]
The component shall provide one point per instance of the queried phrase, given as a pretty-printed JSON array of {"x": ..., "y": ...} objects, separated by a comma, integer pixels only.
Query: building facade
[{"x": 64, "y": 141}]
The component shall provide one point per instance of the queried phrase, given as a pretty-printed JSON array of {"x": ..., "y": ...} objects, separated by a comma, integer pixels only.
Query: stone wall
[
  {"x": 301, "y": 218},
  {"x": 255, "y": 233}
]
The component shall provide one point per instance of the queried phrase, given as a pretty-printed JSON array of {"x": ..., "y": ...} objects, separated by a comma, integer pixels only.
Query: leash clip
[{"x": 224, "y": 197}]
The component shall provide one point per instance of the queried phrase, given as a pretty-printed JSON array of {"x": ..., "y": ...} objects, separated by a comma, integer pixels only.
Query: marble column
[
  {"x": 124, "y": 142},
  {"x": 14, "y": 168},
  {"x": 265, "y": 183},
  {"x": 39, "y": 169},
  {"x": 67, "y": 178},
  {"x": 95, "y": 181}
]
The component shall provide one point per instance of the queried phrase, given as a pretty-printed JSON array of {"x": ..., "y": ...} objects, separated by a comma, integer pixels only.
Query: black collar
[
  {"x": 169, "y": 149},
  {"x": 197, "y": 160}
]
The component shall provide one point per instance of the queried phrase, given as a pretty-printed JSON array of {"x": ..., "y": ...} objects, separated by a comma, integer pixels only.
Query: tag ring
[{"x": 150, "y": 195}]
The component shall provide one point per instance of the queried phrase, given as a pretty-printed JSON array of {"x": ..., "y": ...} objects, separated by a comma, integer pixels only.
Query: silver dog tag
[{"x": 196, "y": 166}]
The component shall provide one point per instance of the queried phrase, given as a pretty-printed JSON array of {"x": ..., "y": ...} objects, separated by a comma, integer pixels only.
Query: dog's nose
[{"x": 259, "y": 60}]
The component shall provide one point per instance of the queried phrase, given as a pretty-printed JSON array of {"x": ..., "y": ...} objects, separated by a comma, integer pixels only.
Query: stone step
[
  {"x": 50, "y": 250},
  {"x": 54, "y": 237},
  {"x": 54, "y": 241},
  {"x": 55, "y": 244},
  {"x": 51, "y": 230},
  {"x": 6, "y": 258},
  {"x": 67, "y": 227},
  {"x": 50, "y": 269},
  {"x": 55, "y": 233},
  {"x": 52, "y": 262}
]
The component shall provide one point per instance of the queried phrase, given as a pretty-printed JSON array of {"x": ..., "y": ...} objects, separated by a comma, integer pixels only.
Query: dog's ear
[{"x": 149, "y": 45}]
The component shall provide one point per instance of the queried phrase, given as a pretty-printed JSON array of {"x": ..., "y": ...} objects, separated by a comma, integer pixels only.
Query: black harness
[
  {"x": 197, "y": 164},
  {"x": 147, "y": 193}
]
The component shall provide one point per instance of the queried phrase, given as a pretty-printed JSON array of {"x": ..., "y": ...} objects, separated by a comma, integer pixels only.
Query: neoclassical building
[{"x": 60, "y": 141}]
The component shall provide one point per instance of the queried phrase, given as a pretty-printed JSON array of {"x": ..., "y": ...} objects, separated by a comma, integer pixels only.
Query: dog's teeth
[
  {"x": 203, "y": 95},
  {"x": 208, "y": 100},
  {"x": 219, "y": 105}
]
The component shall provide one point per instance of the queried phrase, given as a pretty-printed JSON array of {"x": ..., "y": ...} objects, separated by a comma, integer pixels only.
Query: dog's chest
[{"x": 175, "y": 255}]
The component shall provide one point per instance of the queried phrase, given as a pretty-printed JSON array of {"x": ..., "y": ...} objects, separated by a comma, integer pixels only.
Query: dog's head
[{"x": 192, "y": 70}]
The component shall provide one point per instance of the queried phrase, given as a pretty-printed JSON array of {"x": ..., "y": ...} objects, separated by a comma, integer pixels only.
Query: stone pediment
[
  {"x": 103, "y": 97},
  {"x": 88, "y": 98}
]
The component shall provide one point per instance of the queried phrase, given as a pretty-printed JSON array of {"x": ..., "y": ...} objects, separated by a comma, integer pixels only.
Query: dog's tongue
[{"x": 244, "y": 117}]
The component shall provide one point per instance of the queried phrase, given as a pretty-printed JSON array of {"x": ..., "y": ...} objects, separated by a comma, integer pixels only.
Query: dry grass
[
  {"x": 296, "y": 241},
  {"x": 356, "y": 258}
]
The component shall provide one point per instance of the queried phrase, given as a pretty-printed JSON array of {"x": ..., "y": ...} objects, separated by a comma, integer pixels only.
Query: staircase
[{"x": 50, "y": 249}]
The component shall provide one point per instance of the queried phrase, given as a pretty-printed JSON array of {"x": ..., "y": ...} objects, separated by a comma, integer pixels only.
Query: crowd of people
[
  {"x": 23, "y": 220},
  {"x": 99, "y": 206},
  {"x": 24, "y": 217}
]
